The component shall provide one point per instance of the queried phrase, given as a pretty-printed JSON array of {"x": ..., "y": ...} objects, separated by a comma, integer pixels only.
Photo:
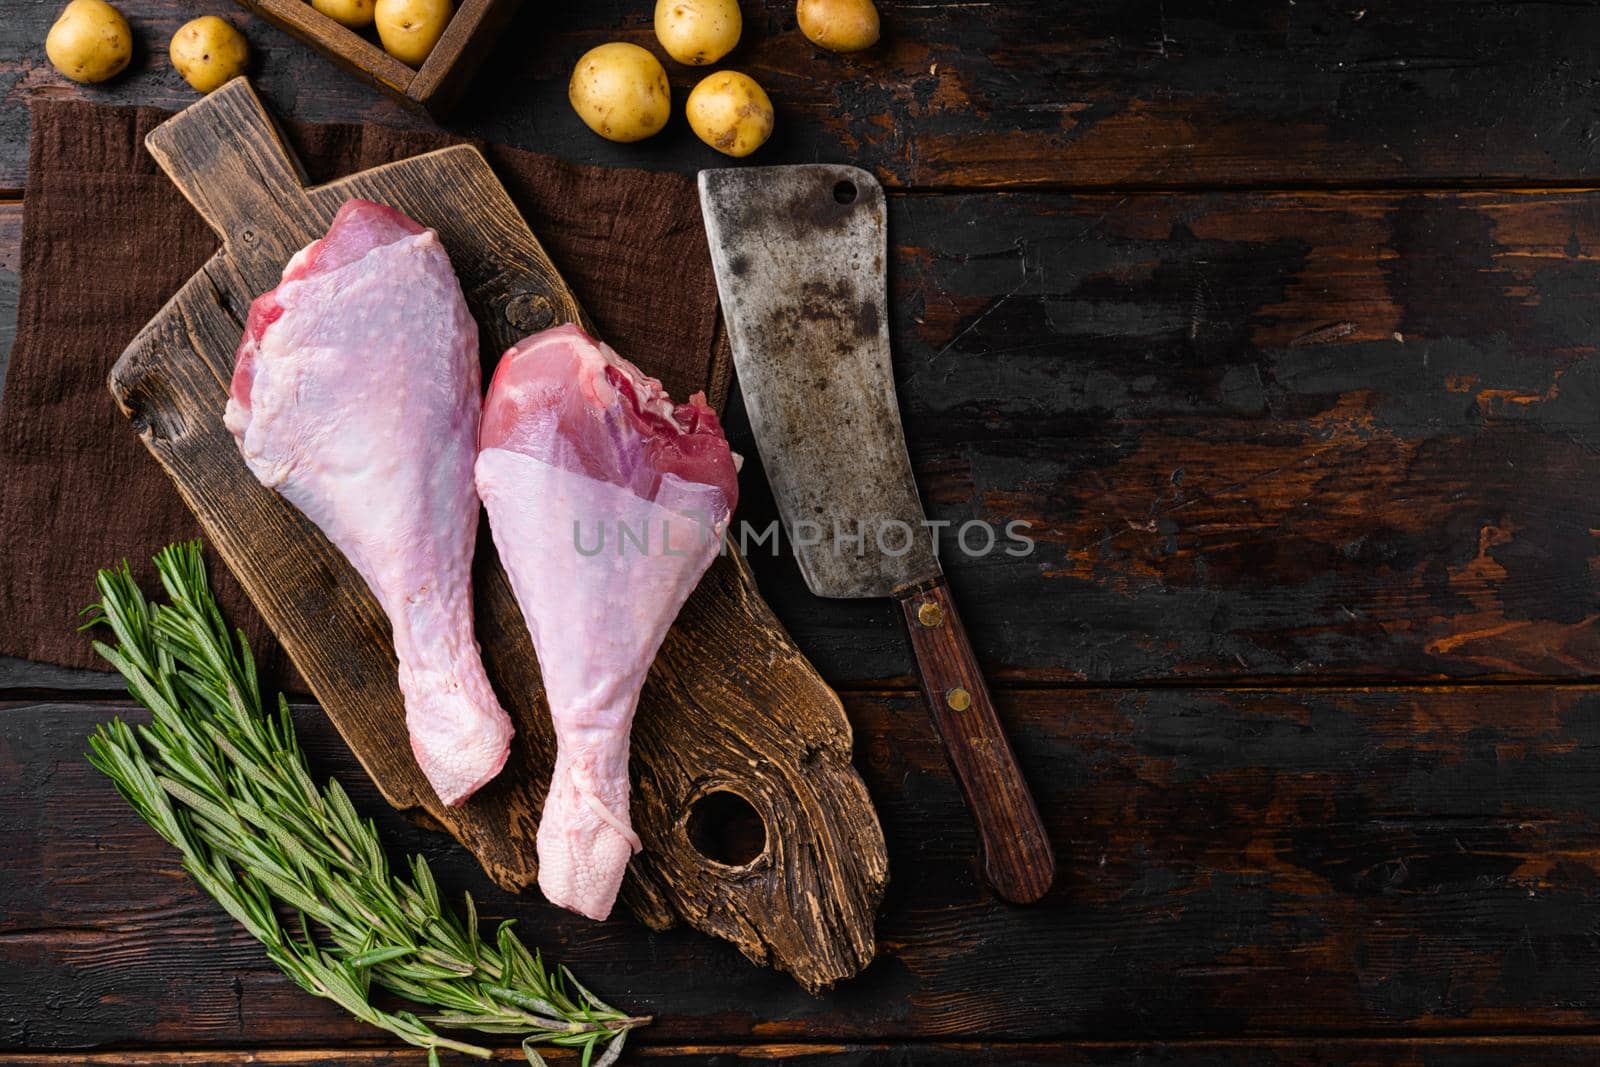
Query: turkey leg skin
[
  {"x": 356, "y": 395},
  {"x": 607, "y": 503}
]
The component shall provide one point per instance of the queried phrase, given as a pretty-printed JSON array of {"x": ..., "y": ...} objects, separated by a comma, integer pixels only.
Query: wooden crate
[{"x": 436, "y": 85}]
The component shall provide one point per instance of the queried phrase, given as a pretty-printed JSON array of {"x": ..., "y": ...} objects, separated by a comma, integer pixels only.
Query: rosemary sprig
[{"x": 228, "y": 786}]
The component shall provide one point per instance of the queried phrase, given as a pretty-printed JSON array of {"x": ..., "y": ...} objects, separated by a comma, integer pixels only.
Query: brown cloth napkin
[{"x": 106, "y": 239}]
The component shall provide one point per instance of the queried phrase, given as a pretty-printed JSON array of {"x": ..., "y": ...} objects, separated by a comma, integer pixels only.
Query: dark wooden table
[{"x": 1278, "y": 320}]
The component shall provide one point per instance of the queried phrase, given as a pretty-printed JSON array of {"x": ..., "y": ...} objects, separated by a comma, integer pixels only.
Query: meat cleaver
[{"x": 800, "y": 256}]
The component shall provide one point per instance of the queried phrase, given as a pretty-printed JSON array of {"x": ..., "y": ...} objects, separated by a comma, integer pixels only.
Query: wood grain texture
[
  {"x": 359, "y": 53},
  {"x": 436, "y": 85},
  {"x": 1256, "y": 436},
  {"x": 1575, "y": 1051},
  {"x": 1234, "y": 863},
  {"x": 1097, "y": 94},
  {"x": 1283, "y": 438},
  {"x": 10, "y": 281},
  {"x": 730, "y": 705},
  {"x": 1017, "y": 860}
]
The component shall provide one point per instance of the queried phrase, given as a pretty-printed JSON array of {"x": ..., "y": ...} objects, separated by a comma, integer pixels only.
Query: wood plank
[
  {"x": 1257, "y": 435},
  {"x": 1579, "y": 1051},
  {"x": 1233, "y": 863},
  {"x": 1108, "y": 93},
  {"x": 10, "y": 281},
  {"x": 22, "y": 679},
  {"x": 1260, "y": 436}
]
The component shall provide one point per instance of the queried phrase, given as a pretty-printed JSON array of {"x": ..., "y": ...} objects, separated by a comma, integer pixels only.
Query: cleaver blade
[
  {"x": 799, "y": 257},
  {"x": 800, "y": 254}
]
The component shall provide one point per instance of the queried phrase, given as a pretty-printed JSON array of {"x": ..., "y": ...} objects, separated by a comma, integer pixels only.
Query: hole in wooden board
[
  {"x": 845, "y": 192},
  {"x": 725, "y": 829}
]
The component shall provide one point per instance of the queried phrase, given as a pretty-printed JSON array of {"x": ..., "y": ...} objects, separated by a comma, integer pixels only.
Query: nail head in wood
[
  {"x": 929, "y": 614},
  {"x": 958, "y": 699}
]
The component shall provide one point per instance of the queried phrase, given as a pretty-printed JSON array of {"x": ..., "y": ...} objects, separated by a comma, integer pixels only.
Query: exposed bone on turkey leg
[
  {"x": 356, "y": 395},
  {"x": 607, "y": 502}
]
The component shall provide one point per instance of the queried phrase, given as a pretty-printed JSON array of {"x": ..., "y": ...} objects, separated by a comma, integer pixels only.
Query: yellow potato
[
  {"x": 730, "y": 112},
  {"x": 209, "y": 52},
  {"x": 410, "y": 28},
  {"x": 698, "y": 32},
  {"x": 620, "y": 92},
  {"x": 838, "y": 25},
  {"x": 357, "y": 14},
  {"x": 89, "y": 42}
]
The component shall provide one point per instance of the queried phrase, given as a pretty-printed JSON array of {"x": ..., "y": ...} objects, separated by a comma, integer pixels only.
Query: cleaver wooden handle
[{"x": 1017, "y": 860}]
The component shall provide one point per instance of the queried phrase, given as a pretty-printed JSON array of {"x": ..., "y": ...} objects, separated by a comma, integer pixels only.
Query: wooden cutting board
[{"x": 731, "y": 706}]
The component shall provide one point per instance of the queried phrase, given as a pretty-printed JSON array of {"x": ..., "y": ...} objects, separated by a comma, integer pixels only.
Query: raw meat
[
  {"x": 356, "y": 396},
  {"x": 607, "y": 502}
]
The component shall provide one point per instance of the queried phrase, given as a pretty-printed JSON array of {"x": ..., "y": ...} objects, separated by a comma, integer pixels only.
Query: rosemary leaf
[{"x": 225, "y": 782}]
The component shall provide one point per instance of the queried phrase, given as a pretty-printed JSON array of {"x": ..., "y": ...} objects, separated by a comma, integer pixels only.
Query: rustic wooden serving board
[{"x": 731, "y": 705}]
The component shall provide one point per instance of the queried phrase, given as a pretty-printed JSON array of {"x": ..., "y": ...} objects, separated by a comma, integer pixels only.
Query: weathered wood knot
[
  {"x": 156, "y": 424},
  {"x": 530, "y": 312}
]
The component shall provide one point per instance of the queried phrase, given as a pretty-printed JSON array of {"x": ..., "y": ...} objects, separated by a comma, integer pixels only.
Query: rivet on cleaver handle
[{"x": 800, "y": 258}]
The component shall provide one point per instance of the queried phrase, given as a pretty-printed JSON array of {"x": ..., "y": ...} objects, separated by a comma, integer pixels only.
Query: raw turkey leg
[
  {"x": 356, "y": 395},
  {"x": 607, "y": 502}
]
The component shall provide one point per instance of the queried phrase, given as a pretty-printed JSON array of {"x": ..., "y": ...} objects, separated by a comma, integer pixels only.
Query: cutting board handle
[{"x": 228, "y": 158}]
